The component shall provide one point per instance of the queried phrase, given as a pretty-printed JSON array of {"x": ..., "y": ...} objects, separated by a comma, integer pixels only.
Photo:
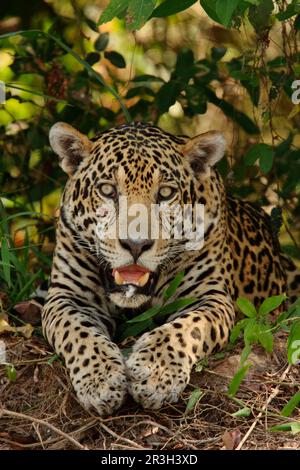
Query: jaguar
[{"x": 96, "y": 278}]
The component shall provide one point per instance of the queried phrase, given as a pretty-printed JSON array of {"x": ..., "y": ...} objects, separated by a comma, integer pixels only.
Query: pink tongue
[
  {"x": 131, "y": 276},
  {"x": 131, "y": 273}
]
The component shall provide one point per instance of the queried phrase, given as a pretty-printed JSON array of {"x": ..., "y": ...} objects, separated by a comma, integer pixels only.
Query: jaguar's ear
[
  {"x": 70, "y": 145},
  {"x": 205, "y": 150}
]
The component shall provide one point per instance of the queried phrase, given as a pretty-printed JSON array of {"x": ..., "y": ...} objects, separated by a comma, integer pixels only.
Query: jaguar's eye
[
  {"x": 166, "y": 192},
  {"x": 108, "y": 190}
]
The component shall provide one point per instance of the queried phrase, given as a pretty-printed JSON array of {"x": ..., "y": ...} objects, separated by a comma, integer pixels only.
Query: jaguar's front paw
[
  {"x": 157, "y": 371},
  {"x": 100, "y": 382}
]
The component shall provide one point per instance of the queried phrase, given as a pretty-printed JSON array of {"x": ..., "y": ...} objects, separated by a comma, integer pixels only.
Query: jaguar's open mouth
[
  {"x": 132, "y": 274},
  {"x": 132, "y": 279}
]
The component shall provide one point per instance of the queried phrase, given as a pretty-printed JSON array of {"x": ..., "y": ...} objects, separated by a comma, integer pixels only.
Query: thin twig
[
  {"x": 14, "y": 414},
  {"x": 271, "y": 397},
  {"x": 114, "y": 434}
]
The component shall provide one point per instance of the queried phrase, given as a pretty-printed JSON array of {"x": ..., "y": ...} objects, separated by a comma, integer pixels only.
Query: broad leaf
[
  {"x": 238, "y": 327},
  {"x": 114, "y": 8},
  {"x": 246, "y": 307},
  {"x": 115, "y": 58},
  {"x": 225, "y": 10},
  {"x": 264, "y": 153},
  {"x": 265, "y": 338},
  {"x": 271, "y": 304},
  {"x": 138, "y": 13},
  {"x": 102, "y": 42},
  {"x": 171, "y": 7},
  {"x": 167, "y": 95}
]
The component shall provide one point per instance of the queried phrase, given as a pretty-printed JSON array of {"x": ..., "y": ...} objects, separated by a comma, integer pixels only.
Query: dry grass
[{"x": 40, "y": 411}]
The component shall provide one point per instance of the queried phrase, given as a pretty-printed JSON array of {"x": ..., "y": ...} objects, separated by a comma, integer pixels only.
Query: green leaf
[
  {"x": 139, "y": 91},
  {"x": 91, "y": 24},
  {"x": 288, "y": 409},
  {"x": 241, "y": 118},
  {"x": 115, "y": 58},
  {"x": 150, "y": 313},
  {"x": 238, "y": 327},
  {"x": 185, "y": 66},
  {"x": 217, "y": 53},
  {"x": 5, "y": 261},
  {"x": 34, "y": 34},
  {"x": 115, "y": 8},
  {"x": 52, "y": 359},
  {"x": 165, "y": 310},
  {"x": 225, "y": 10},
  {"x": 293, "y": 427},
  {"x": 251, "y": 331},
  {"x": 38, "y": 93},
  {"x": 265, "y": 338},
  {"x": 245, "y": 353},
  {"x": 290, "y": 11},
  {"x": 195, "y": 396},
  {"x": 138, "y": 13},
  {"x": 209, "y": 6},
  {"x": 271, "y": 304},
  {"x": 259, "y": 15},
  {"x": 167, "y": 95},
  {"x": 176, "y": 306},
  {"x": 92, "y": 58},
  {"x": 102, "y": 42},
  {"x": 147, "y": 78},
  {"x": 246, "y": 307},
  {"x": 242, "y": 413},
  {"x": 294, "y": 343},
  {"x": 11, "y": 372},
  {"x": 266, "y": 160},
  {"x": 237, "y": 380},
  {"x": 264, "y": 153},
  {"x": 171, "y": 7},
  {"x": 174, "y": 284},
  {"x": 136, "y": 329}
]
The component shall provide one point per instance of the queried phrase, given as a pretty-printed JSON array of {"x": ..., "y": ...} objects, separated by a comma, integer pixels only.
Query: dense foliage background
[
  {"x": 189, "y": 66},
  {"x": 186, "y": 65}
]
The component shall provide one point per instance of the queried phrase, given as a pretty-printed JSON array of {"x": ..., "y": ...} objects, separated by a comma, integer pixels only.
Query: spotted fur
[{"x": 240, "y": 257}]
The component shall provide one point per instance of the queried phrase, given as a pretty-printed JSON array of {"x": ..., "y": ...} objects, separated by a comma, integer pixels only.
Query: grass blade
[{"x": 5, "y": 261}]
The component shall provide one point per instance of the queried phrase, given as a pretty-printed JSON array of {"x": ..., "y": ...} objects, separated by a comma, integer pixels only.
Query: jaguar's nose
[{"x": 136, "y": 248}]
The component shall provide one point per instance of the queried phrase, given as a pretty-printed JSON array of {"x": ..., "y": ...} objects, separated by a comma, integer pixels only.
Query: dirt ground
[{"x": 40, "y": 411}]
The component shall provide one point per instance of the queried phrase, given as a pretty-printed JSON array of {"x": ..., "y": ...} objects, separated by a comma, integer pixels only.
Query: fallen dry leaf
[
  {"x": 25, "y": 330},
  {"x": 150, "y": 432},
  {"x": 232, "y": 439},
  {"x": 29, "y": 311}
]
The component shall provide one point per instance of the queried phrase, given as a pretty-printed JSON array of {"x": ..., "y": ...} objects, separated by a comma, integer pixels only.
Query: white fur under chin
[{"x": 129, "y": 299}]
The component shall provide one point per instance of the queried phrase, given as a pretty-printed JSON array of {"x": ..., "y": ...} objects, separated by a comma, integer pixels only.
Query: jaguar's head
[{"x": 129, "y": 195}]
